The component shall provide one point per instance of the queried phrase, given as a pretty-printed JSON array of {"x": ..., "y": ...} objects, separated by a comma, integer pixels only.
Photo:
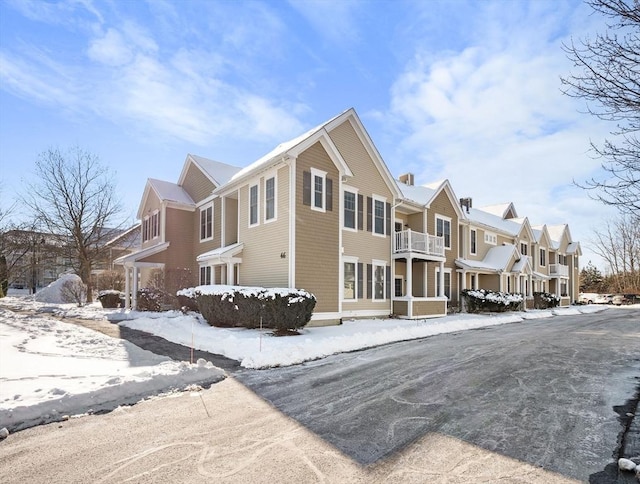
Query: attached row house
[{"x": 323, "y": 213}]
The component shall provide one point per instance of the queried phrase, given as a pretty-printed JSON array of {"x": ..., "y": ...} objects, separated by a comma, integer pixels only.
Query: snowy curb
[
  {"x": 109, "y": 397},
  {"x": 258, "y": 350}
]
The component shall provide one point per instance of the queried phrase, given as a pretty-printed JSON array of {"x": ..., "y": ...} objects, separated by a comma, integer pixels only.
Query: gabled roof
[
  {"x": 497, "y": 259},
  {"x": 426, "y": 194},
  {"x": 501, "y": 210},
  {"x": 320, "y": 133},
  {"x": 574, "y": 248},
  {"x": 541, "y": 231},
  {"x": 218, "y": 173},
  {"x": 129, "y": 238},
  {"x": 557, "y": 233},
  {"x": 166, "y": 192}
]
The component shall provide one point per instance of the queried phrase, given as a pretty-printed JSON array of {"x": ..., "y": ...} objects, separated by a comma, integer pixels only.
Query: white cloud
[{"x": 336, "y": 21}]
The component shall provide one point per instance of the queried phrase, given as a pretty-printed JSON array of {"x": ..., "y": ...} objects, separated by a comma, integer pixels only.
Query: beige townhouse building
[{"x": 323, "y": 213}]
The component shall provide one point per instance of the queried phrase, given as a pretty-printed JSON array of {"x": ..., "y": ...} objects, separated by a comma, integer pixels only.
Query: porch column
[
  {"x": 463, "y": 286},
  {"x": 134, "y": 297},
  {"x": 127, "y": 287},
  {"x": 530, "y": 291},
  {"x": 230, "y": 274},
  {"x": 408, "y": 291},
  {"x": 501, "y": 282},
  {"x": 441, "y": 279},
  {"x": 518, "y": 284}
]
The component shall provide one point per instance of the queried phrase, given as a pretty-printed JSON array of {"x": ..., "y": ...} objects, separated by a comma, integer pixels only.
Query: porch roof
[
  {"x": 540, "y": 275},
  {"x": 497, "y": 259},
  {"x": 141, "y": 254},
  {"x": 221, "y": 255}
]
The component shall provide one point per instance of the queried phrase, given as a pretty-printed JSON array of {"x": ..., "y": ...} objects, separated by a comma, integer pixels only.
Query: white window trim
[
  {"x": 273, "y": 175},
  {"x": 447, "y": 270},
  {"x": 212, "y": 273},
  {"x": 446, "y": 219},
  {"x": 156, "y": 213},
  {"x": 542, "y": 249},
  {"x": 378, "y": 263},
  {"x": 257, "y": 184},
  {"x": 320, "y": 174},
  {"x": 202, "y": 209},
  {"x": 346, "y": 188},
  {"x": 350, "y": 260},
  {"x": 402, "y": 290},
  {"x": 490, "y": 238},
  {"x": 374, "y": 199},
  {"x": 471, "y": 251}
]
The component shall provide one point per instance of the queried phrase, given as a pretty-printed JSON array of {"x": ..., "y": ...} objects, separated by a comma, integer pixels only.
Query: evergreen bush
[
  {"x": 110, "y": 298},
  {"x": 483, "y": 300},
  {"x": 545, "y": 300},
  {"x": 150, "y": 299}
]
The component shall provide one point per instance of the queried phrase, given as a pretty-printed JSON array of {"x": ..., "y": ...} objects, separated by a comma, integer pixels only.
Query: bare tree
[
  {"x": 607, "y": 76},
  {"x": 618, "y": 243},
  {"x": 74, "y": 196}
]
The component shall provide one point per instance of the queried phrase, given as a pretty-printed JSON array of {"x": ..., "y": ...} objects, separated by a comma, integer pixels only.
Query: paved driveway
[{"x": 544, "y": 392}]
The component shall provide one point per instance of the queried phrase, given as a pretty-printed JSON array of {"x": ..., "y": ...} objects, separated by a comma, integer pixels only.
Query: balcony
[
  {"x": 558, "y": 270},
  {"x": 419, "y": 243}
]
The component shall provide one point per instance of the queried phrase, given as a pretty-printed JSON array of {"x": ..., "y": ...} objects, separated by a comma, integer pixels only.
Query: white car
[
  {"x": 587, "y": 297},
  {"x": 604, "y": 299}
]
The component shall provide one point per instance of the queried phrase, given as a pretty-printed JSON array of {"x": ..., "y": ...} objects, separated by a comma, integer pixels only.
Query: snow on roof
[
  {"x": 483, "y": 217},
  {"x": 499, "y": 209},
  {"x": 573, "y": 247},
  {"x": 434, "y": 185},
  {"x": 496, "y": 259},
  {"x": 220, "y": 172},
  {"x": 170, "y": 192},
  {"x": 281, "y": 149},
  {"x": 419, "y": 194},
  {"x": 556, "y": 232},
  {"x": 221, "y": 253}
]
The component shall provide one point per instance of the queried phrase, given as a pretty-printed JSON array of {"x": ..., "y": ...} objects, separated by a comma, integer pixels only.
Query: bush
[
  {"x": 187, "y": 303},
  {"x": 111, "y": 298},
  {"x": 545, "y": 300},
  {"x": 150, "y": 299},
  {"x": 73, "y": 291},
  {"x": 482, "y": 300},
  {"x": 283, "y": 309}
]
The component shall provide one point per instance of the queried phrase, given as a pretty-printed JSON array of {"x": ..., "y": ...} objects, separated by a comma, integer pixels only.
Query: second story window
[
  {"x": 318, "y": 191},
  {"x": 349, "y": 210},
  {"x": 206, "y": 223},
  {"x": 270, "y": 199},
  {"x": 253, "y": 205},
  {"x": 524, "y": 248},
  {"x": 474, "y": 241},
  {"x": 543, "y": 257},
  {"x": 443, "y": 229},
  {"x": 378, "y": 216}
]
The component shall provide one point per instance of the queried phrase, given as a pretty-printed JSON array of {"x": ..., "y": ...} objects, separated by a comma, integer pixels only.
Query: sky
[{"x": 464, "y": 90}]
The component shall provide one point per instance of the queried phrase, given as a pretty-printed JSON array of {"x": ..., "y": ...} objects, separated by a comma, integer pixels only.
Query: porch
[
  {"x": 409, "y": 307},
  {"x": 411, "y": 242}
]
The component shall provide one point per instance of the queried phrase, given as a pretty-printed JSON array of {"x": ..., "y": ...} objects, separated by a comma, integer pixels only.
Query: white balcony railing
[
  {"x": 559, "y": 270},
  {"x": 410, "y": 241}
]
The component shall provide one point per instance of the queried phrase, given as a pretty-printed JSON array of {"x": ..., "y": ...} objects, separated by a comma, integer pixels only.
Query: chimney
[
  {"x": 466, "y": 203},
  {"x": 407, "y": 179}
]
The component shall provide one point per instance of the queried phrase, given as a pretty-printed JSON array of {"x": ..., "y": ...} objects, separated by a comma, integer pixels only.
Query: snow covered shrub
[
  {"x": 483, "y": 300},
  {"x": 282, "y": 309},
  {"x": 545, "y": 300},
  {"x": 110, "y": 298},
  {"x": 150, "y": 299},
  {"x": 73, "y": 291},
  {"x": 187, "y": 302}
]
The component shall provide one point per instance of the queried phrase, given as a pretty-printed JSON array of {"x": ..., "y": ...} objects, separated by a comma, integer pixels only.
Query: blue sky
[{"x": 464, "y": 90}]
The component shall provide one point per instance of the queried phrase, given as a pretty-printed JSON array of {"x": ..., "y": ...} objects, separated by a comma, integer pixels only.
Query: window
[
  {"x": 398, "y": 226},
  {"x": 447, "y": 283},
  {"x": 474, "y": 241},
  {"x": 443, "y": 229},
  {"x": 317, "y": 187},
  {"x": 206, "y": 223},
  {"x": 378, "y": 216},
  {"x": 398, "y": 287},
  {"x": 253, "y": 205},
  {"x": 151, "y": 226},
  {"x": 524, "y": 248},
  {"x": 350, "y": 290},
  {"x": 378, "y": 281},
  {"x": 543, "y": 257},
  {"x": 350, "y": 209},
  {"x": 491, "y": 239},
  {"x": 145, "y": 229},
  {"x": 270, "y": 199},
  {"x": 563, "y": 288},
  {"x": 205, "y": 275}
]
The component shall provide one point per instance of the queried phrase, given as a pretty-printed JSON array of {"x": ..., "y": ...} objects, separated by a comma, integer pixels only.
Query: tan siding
[
  {"x": 502, "y": 239},
  {"x": 489, "y": 281},
  {"x": 401, "y": 308},
  {"x": 442, "y": 205},
  {"x": 262, "y": 264},
  {"x": 216, "y": 242},
  {"x": 429, "y": 308},
  {"x": 196, "y": 184},
  {"x": 316, "y": 242},
  {"x": 231, "y": 221},
  {"x": 416, "y": 222}
]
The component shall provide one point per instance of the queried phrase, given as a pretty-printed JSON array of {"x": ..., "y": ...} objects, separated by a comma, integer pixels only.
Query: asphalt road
[{"x": 544, "y": 392}]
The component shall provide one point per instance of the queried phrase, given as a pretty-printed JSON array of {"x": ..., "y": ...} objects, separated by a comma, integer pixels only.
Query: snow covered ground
[{"x": 50, "y": 369}]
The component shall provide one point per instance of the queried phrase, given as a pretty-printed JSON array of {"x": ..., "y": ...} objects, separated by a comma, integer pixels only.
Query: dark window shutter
[
  {"x": 388, "y": 277},
  {"x": 329, "y": 204},
  {"x": 369, "y": 279},
  {"x": 388, "y": 213},
  {"x": 306, "y": 188},
  {"x": 360, "y": 210},
  {"x": 369, "y": 209},
  {"x": 360, "y": 281}
]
